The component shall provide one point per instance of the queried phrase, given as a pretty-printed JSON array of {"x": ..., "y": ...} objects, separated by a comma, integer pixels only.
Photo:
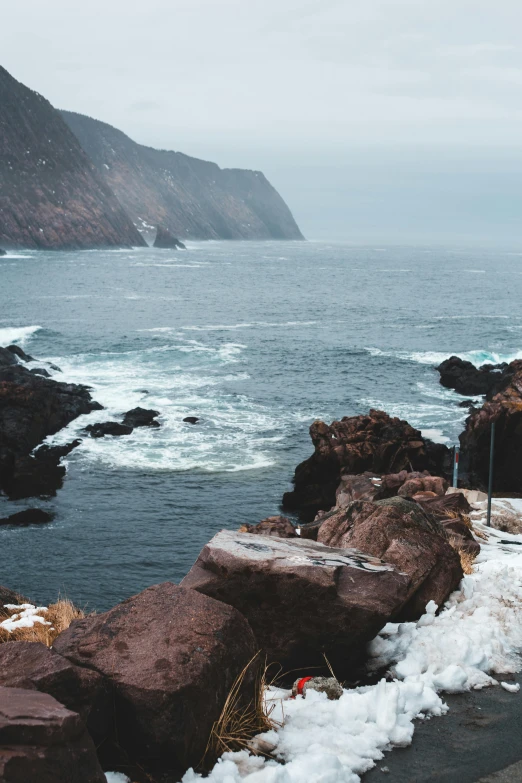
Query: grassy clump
[{"x": 57, "y": 617}]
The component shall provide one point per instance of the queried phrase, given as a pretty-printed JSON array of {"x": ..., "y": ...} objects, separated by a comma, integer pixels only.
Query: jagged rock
[
  {"x": 505, "y": 409},
  {"x": 141, "y": 417},
  {"x": 359, "y": 487},
  {"x": 40, "y": 474},
  {"x": 31, "y": 516},
  {"x": 302, "y": 599},
  {"x": 413, "y": 486},
  {"x": 191, "y": 419},
  {"x": 399, "y": 532},
  {"x": 376, "y": 443},
  {"x": 7, "y": 358},
  {"x": 113, "y": 428},
  {"x": 280, "y": 527},
  {"x": 43, "y": 742},
  {"x": 40, "y": 371},
  {"x": 465, "y": 378},
  {"x": 164, "y": 239},
  {"x": 33, "y": 666},
  {"x": 20, "y": 353},
  {"x": 171, "y": 656}
]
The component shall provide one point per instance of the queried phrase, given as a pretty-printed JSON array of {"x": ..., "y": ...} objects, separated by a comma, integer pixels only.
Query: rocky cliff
[
  {"x": 51, "y": 195},
  {"x": 192, "y": 198}
]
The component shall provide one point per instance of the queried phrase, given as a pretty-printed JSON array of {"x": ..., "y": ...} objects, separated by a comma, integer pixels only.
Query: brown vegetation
[{"x": 60, "y": 615}]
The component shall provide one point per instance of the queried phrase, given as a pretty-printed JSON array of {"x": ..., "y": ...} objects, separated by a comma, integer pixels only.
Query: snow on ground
[
  {"x": 476, "y": 636},
  {"x": 23, "y": 616},
  {"x": 116, "y": 777}
]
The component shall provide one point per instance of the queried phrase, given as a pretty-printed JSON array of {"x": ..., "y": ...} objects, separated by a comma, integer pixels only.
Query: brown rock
[
  {"x": 43, "y": 742},
  {"x": 452, "y": 512},
  {"x": 363, "y": 487},
  {"x": 413, "y": 486},
  {"x": 271, "y": 526},
  {"x": 301, "y": 598},
  {"x": 354, "y": 445},
  {"x": 400, "y": 532},
  {"x": 171, "y": 656},
  {"x": 33, "y": 666}
]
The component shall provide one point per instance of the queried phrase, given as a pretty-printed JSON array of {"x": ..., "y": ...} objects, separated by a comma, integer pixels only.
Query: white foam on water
[
  {"x": 17, "y": 334},
  {"x": 478, "y": 357},
  {"x": 423, "y": 416},
  {"x": 436, "y": 435}
]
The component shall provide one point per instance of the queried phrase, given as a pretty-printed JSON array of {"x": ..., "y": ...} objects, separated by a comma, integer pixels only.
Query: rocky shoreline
[{"x": 142, "y": 687}]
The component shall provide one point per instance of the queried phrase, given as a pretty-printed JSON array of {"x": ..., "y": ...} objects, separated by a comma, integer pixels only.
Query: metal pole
[
  {"x": 456, "y": 452},
  {"x": 491, "y": 458}
]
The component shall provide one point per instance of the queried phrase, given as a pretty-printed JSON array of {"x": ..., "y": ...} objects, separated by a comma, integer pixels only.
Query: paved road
[{"x": 478, "y": 741}]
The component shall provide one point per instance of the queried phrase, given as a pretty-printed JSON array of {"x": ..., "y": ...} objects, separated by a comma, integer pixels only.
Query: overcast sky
[{"x": 351, "y": 107}]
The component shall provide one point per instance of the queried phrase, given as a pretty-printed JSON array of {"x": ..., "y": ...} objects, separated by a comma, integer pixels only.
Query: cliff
[
  {"x": 192, "y": 198},
  {"x": 51, "y": 195}
]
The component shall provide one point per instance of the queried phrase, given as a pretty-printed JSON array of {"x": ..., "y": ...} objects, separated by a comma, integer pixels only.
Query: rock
[
  {"x": 7, "y": 359},
  {"x": 43, "y": 742},
  {"x": 31, "y": 408},
  {"x": 3, "y": 252},
  {"x": 434, "y": 484},
  {"x": 31, "y": 516},
  {"x": 399, "y": 532},
  {"x": 271, "y": 526},
  {"x": 33, "y": 666},
  {"x": 20, "y": 353},
  {"x": 8, "y": 596},
  {"x": 302, "y": 599},
  {"x": 164, "y": 239},
  {"x": 171, "y": 656},
  {"x": 467, "y": 379},
  {"x": 141, "y": 417},
  {"x": 452, "y": 511},
  {"x": 467, "y": 404},
  {"x": 505, "y": 409},
  {"x": 376, "y": 443},
  {"x": 362, "y": 487},
  {"x": 113, "y": 428},
  {"x": 191, "y": 419},
  {"x": 41, "y": 371},
  {"x": 40, "y": 474},
  {"x": 328, "y": 685}
]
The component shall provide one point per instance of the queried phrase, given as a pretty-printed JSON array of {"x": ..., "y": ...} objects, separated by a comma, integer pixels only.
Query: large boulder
[
  {"x": 302, "y": 599},
  {"x": 43, "y": 742},
  {"x": 171, "y": 656},
  {"x": 465, "y": 378},
  {"x": 505, "y": 409},
  {"x": 413, "y": 486},
  {"x": 33, "y": 666},
  {"x": 164, "y": 239},
  {"x": 141, "y": 417},
  {"x": 39, "y": 474},
  {"x": 376, "y": 443},
  {"x": 400, "y": 532},
  {"x": 104, "y": 428}
]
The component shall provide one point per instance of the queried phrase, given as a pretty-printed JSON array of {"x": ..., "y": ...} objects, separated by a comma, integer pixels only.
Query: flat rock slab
[{"x": 302, "y": 599}]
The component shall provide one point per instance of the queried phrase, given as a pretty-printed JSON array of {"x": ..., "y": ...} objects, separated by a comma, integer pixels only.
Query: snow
[
  {"x": 511, "y": 687},
  {"x": 116, "y": 777},
  {"x": 476, "y": 636},
  {"x": 23, "y": 616}
]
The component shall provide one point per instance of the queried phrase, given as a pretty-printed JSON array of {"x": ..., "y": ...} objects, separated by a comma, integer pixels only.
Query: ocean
[{"x": 257, "y": 339}]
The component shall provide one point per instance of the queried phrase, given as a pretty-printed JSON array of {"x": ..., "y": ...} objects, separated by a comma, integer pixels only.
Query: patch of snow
[
  {"x": 511, "y": 687},
  {"x": 116, "y": 777},
  {"x": 23, "y": 616},
  {"x": 477, "y": 634}
]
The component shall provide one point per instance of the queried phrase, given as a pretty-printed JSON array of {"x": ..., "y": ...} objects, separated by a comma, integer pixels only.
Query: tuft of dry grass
[
  {"x": 59, "y": 616},
  {"x": 240, "y": 720},
  {"x": 466, "y": 558}
]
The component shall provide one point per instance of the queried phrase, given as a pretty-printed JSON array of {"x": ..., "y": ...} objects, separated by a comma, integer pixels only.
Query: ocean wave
[
  {"x": 477, "y": 357},
  {"x": 17, "y": 334}
]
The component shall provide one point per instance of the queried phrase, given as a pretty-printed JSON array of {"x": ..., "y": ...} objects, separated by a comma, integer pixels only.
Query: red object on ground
[{"x": 300, "y": 685}]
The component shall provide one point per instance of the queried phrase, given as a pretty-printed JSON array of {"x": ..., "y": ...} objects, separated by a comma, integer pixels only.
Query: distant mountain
[
  {"x": 191, "y": 198},
  {"x": 51, "y": 195}
]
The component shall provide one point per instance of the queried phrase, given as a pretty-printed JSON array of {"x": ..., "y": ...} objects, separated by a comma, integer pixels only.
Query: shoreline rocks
[
  {"x": 31, "y": 516},
  {"x": 167, "y": 241},
  {"x": 465, "y": 378}
]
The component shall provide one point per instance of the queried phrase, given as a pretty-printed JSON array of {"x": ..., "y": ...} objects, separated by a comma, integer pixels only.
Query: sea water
[{"x": 257, "y": 339}]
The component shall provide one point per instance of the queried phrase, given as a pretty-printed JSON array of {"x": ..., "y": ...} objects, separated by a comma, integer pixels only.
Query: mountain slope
[
  {"x": 51, "y": 195},
  {"x": 192, "y": 198}
]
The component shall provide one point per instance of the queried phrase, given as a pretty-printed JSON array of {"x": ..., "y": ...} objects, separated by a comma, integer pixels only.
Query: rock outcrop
[
  {"x": 302, "y": 599},
  {"x": 465, "y": 378},
  {"x": 43, "y": 742},
  {"x": 51, "y": 195},
  {"x": 31, "y": 516},
  {"x": 191, "y": 198},
  {"x": 166, "y": 241},
  {"x": 376, "y": 443},
  {"x": 171, "y": 656},
  {"x": 505, "y": 409},
  {"x": 399, "y": 532},
  {"x": 141, "y": 417},
  {"x": 104, "y": 428}
]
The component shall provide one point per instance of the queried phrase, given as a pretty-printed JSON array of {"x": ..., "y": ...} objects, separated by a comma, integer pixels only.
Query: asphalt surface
[{"x": 478, "y": 741}]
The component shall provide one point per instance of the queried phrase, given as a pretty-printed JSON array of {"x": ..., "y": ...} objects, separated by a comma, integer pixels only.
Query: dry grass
[
  {"x": 507, "y": 522},
  {"x": 466, "y": 558},
  {"x": 240, "y": 721},
  {"x": 60, "y": 615}
]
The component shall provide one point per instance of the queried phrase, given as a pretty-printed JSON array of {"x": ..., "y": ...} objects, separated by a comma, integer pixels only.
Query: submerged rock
[
  {"x": 32, "y": 516},
  {"x": 164, "y": 239},
  {"x": 171, "y": 656},
  {"x": 113, "y": 428},
  {"x": 302, "y": 599},
  {"x": 465, "y": 378},
  {"x": 191, "y": 419},
  {"x": 43, "y": 742},
  {"x": 141, "y": 417}
]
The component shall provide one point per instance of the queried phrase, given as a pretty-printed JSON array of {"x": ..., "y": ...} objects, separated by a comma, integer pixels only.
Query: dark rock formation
[
  {"x": 465, "y": 378},
  {"x": 107, "y": 428},
  {"x": 20, "y": 353},
  {"x": 191, "y": 198},
  {"x": 33, "y": 666},
  {"x": 32, "y": 516},
  {"x": 399, "y": 532},
  {"x": 164, "y": 239},
  {"x": 376, "y": 443},
  {"x": 8, "y": 596},
  {"x": 141, "y": 417},
  {"x": 43, "y": 742},
  {"x": 301, "y": 598},
  {"x": 51, "y": 195},
  {"x": 31, "y": 408},
  {"x": 280, "y": 527},
  {"x": 171, "y": 656},
  {"x": 505, "y": 409},
  {"x": 191, "y": 419},
  {"x": 3, "y": 252}
]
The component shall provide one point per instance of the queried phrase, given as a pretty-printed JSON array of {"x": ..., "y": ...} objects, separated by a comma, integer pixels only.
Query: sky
[{"x": 376, "y": 119}]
